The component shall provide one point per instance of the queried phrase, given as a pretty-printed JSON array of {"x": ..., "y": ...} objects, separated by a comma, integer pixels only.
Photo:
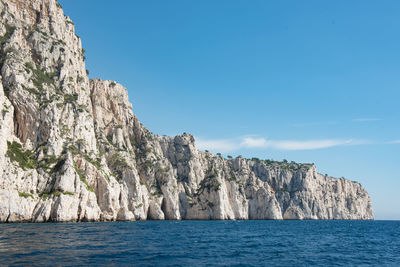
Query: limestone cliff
[{"x": 71, "y": 148}]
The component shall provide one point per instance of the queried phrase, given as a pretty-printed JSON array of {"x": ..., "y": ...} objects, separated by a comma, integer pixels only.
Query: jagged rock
[{"x": 71, "y": 149}]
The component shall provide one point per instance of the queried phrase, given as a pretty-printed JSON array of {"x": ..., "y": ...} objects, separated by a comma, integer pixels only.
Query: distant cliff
[{"x": 71, "y": 148}]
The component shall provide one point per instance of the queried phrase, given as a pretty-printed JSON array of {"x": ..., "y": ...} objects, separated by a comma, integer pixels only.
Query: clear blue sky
[{"x": 309, "y": 81}]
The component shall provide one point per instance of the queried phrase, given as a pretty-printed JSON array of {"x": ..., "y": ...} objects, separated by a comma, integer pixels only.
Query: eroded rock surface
[{"x": 71, "y": 149}]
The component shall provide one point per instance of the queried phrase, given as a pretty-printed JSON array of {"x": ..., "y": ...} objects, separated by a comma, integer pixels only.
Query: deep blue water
[{"x": 203, "y": 243}]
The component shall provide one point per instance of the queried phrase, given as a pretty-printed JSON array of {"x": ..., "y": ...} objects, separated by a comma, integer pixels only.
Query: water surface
[{"x": 202, "y": 243}]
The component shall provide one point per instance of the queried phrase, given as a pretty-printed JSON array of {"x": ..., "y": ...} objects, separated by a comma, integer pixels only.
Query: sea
[{"x": 202, "y": 243}]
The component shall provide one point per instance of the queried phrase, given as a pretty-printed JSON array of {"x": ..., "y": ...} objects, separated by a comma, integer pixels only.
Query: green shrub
[
  {"x": 57, "y": 193},
  {"x": 109, "y": 138},
  {"x": 25, "y": 158},
  {"x": 58, "y": 166},
  {"x": 81, "y": 174},
  {"x": 148, "y": 164},
  {"x": 96, "y": 162},
  {"x": 48, "y": 162},
  {"x": 25, "y": 195},
  {"x": 166, "y": 169},
  {"x": 39, "y": 76},
  {"x": 70, "y": 98},
  {"x": 74, "y": 150},
  {"x": 117, "y": 164},
  {"x": 231, "y": 179},
  {"x": 132, "y": 139},
  {"x": 139, "y": 206},
  {"x": 210, "y": 183},
  {"x": 81, "y": 108},
  {"x": 44, "y": 196},
  {"x": 7, "y": 35},
  {"x": 158, "y": 191}
]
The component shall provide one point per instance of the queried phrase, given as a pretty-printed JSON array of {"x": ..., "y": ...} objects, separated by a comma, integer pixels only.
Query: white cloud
[
  {"x": 222, "y": 145},
  {"x": 394, "y": 142},
  {"x": 251, "y": 142},
  {"x": 309, "y": 144},
  {"x": 365, "y": 119},
  {"x": 229, "y": 145}
]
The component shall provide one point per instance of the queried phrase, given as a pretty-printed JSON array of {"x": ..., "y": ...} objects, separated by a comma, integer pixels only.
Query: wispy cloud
[
  {"x": 222, "y": 145},
  {"x": 252, "y": 142},
  {"x": 394, "y": 142},
  {"x": 365, "y": 119},
  {"x": 309, "y": 144},
  {"x": 229, "y": 145}
]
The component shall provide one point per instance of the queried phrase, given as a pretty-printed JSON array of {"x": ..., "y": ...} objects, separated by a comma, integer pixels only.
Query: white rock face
[{"x": 71, "y": 148}]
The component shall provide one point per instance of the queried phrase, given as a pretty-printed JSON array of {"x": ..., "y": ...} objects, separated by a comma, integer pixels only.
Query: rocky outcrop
[{"x": 71, "y": 148}]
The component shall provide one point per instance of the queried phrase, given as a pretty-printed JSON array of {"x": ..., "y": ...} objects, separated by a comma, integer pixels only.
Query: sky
[{"x": 308, "y": 81}]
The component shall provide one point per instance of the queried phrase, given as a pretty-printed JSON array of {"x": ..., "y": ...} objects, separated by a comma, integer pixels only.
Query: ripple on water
[{"x": 202, "y": 243}]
